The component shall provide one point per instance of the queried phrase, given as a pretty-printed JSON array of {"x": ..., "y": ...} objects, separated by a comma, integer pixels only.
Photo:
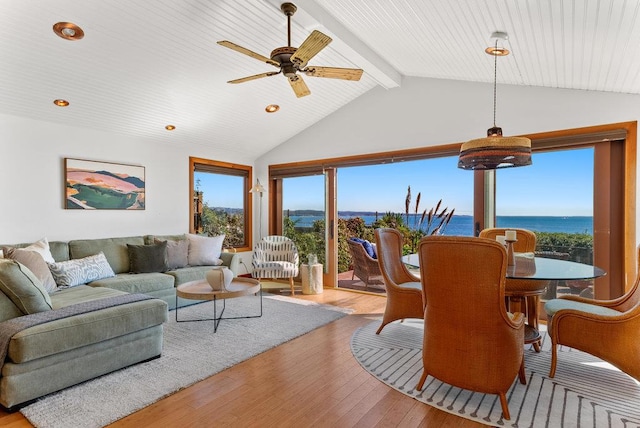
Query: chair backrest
[
  {"x": 469, "y": 339},
  {"x": 389, "y": 244},
  {"x": 363, "y": 264},
  {"x": 275, "y": 248},
  {"x": 526, "y": 239}
]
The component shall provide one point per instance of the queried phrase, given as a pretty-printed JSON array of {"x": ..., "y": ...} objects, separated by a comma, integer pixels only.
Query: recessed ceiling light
[
  {"x": 170, "y": 127},
  {"x": 61, "y": 102},
  {"x": 272, "y": 108},
  {"x": 68, "y": 30}
]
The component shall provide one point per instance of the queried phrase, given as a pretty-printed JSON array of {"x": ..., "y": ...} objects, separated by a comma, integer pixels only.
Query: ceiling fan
[{"x": 292, "y": 60}]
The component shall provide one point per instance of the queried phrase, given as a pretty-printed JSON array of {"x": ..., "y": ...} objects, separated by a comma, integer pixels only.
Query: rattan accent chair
[
  {"x": 404, "y": 291},
  {"x": 470, "y": 340},
  {"x": 365, "y": 267},
  {"x": 516, "y": 289},
  {"x": 608, "y": 329},
  {"x": 275, "y": 256}
]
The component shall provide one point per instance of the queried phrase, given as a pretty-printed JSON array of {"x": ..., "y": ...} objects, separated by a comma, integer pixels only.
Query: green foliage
[
  {"x": 216, "y": 222},
  {"x": 578, "y": 245},
  {"x": 307, "y": 241}
]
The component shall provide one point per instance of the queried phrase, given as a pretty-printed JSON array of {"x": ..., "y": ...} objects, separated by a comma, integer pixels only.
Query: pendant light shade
[{"x": 495, "y": 151}]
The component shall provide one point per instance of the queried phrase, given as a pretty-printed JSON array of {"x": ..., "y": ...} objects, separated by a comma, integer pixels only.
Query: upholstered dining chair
[
  {"x": 275, "y": 256},
  {"x": 608, "y": 329},
  {"x": 470, "y": 340},
  {"x": 404, "y": 291},
  {"x": 365, "y": 267},
  {"x": 521, "y": 289}
]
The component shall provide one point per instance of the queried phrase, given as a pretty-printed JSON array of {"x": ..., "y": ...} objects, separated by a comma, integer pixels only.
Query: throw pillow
[
  {"x": 177, "y": 252},
  {"x": 204, "y": 250},
  {"x": 81, "y": 271},
  {"x": 23, "y": 288},
  {"x": 35, "y": 263},
  {"x": 368, "y": 247},
  {"x": 42, "y": 247},
  {"x": 148, "y": 258}
]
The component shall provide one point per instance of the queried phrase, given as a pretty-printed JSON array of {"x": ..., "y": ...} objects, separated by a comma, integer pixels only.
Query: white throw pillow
[
  {"x": 204, "y": 250},
  {"x": 42, "y": 247}
]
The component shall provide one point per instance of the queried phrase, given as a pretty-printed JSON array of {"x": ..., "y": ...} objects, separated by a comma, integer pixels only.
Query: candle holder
[{"x": 511, "y": 257}]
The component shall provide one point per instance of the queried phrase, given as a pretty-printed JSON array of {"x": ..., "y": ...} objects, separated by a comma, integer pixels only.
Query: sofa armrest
[{"x": 232, "y": 261}]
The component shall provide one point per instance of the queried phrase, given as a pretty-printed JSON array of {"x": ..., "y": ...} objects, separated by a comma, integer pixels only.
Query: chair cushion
[
  {"x": 555, "y": 305},
  {"x": 368, "y": 247}
]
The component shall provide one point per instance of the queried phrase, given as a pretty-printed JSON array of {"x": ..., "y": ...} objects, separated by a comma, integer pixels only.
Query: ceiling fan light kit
[
  {"x": 495, "y": 151},
  {"x": 291, "y": 60}
]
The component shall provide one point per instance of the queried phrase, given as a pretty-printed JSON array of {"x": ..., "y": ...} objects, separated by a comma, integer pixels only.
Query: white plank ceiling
[{"x": 144, "y": 64}]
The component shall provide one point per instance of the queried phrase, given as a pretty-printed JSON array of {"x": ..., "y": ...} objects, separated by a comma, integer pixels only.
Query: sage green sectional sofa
[{"x": 59, "y": 353}]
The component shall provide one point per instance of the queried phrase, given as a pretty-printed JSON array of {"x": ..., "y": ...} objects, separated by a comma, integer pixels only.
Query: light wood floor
[{"x": 310, "y": 381}]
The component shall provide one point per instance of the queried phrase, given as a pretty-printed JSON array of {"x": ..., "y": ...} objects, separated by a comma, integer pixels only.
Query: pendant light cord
[{"x": 495, "y": 84}]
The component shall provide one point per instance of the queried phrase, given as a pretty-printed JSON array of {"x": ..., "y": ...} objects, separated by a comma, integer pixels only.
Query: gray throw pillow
[
  {"x": 148, "y": 258},
  {"x": 81, "y": 271},
  {"x": 35, "y": 263},
  {"x": 23, "y": 288},
  {"x": 177, "y": 252}
]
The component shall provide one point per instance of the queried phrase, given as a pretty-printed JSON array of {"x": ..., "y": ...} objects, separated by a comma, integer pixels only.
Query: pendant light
[{"x": 495, "y": 151}]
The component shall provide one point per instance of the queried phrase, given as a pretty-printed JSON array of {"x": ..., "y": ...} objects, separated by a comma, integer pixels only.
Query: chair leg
[
  {"x": 421, "y": 381},
  {"x": 293, "y": 292},
  {"x": 505, "y": 406},
  {"x": 521, "y": 375},
  {"x": 532, "y": 317},
  {"x": 554, "y": 358}
]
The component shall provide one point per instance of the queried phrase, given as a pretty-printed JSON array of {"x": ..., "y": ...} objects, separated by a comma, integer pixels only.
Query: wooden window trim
[{"x": 219, "y": 167}]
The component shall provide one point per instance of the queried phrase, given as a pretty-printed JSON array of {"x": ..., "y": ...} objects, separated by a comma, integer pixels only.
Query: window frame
[
  {"x": 219, "y": 167},
  {"x": 622, "y": 256}
]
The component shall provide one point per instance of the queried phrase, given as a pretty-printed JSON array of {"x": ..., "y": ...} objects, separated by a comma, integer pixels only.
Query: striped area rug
[{"x": 586, "y": 392}]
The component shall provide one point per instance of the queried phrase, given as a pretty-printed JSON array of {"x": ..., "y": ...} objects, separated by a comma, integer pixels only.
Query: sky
[{"x": 558, "y": 183}]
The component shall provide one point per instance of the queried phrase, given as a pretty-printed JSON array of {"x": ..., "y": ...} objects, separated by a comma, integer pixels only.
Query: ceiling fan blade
[
  {"x": 334, "y": 72},
  {"x": 252, "y": 54},
  {"x": 309, "y": 48},
  {"x": 299, "y": 87},
  {"x": 255, "y": 76}
]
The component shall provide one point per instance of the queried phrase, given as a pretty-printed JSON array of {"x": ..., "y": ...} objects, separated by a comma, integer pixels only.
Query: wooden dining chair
[
  {"x": 404, "y": 291},
  {"x": 524, "y": 291},
  {"x": 470, "y": 340}
]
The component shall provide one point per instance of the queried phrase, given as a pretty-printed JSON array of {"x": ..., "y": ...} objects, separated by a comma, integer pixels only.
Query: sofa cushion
[
  {"x": 35, "y": 263},
  {"x": 80, "y": 330},
  {"x": 41, "y": 247},
  {"x": 189, "y": 273},
  {"x": 148, "y": 258},
  {"x": 114, "y": 249},
  {"x": 177, "y": 252},
  {"x": 8, "y": 309},
  {"x": 81, "y": 271},
  {"x": 204, "y": 250},
  {"x": 23, "y": 288},
  {"x": 137, "y": 282}
]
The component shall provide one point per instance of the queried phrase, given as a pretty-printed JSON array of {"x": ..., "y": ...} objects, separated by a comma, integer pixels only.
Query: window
[{"x": 220, "y": 201}]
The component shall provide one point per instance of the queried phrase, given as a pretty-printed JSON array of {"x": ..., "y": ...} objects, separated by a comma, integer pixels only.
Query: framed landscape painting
[{"x": 92, "y": 185}]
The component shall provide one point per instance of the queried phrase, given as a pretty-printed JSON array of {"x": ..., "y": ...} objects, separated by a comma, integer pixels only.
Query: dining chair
[
  {"x": 404, "y": 291},
  {"x": 470, "y": 340},
  {"x": 526, "y": 292},
  {"x": 275, "y": 256},
  {"x": 608, "y": 329}
]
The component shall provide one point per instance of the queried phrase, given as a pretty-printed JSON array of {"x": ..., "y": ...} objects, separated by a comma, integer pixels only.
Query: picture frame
[{"x": 95, "y": 185}]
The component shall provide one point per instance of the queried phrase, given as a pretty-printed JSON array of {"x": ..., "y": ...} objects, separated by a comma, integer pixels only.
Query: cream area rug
[
  {"x": 586, "y": 392},
  {"x": 191, "y": 352}
]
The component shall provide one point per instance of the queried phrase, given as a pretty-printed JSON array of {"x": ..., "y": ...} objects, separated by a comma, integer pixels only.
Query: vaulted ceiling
[{"x": 144, "y": 64}]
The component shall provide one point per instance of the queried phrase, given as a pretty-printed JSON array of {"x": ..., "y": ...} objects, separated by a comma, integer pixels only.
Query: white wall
[
  {"x": 32, "y": 182},
  {"x": 429, "y": 112}
]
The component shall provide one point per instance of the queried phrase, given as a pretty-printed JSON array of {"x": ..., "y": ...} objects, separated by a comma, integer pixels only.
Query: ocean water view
[{"x": 462, "y": 225}]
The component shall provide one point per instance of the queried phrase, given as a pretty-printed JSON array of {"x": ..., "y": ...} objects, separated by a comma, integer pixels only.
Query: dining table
[{"x": 528, "y": 266}]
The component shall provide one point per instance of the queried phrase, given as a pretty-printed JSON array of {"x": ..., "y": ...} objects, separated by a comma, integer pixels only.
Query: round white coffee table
[{"x": 200, "y": 290}]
